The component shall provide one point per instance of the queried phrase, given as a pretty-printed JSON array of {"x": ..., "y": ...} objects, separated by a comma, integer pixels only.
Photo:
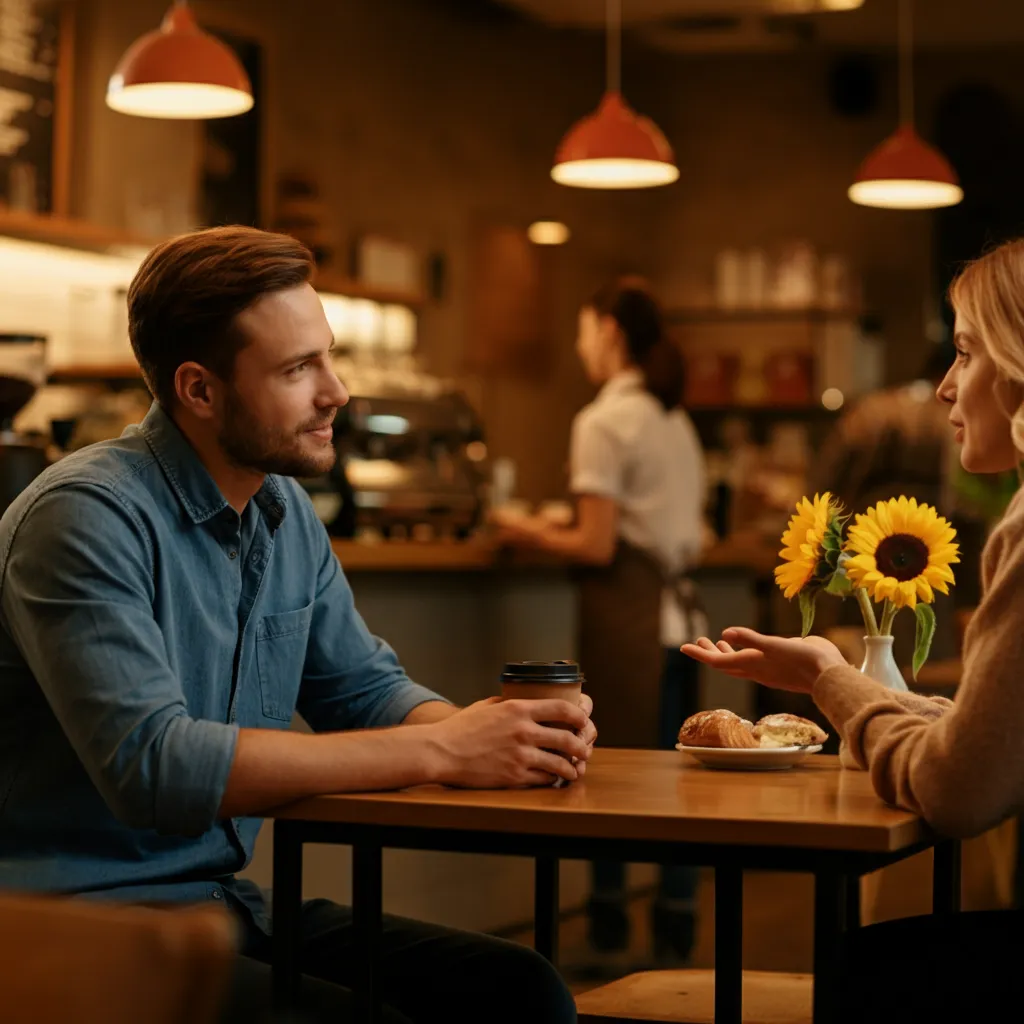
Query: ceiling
[{"x": 708, "y": 25}]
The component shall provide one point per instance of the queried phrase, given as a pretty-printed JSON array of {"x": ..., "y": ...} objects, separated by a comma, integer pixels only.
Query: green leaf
[
  {"x": 808, "y": 599},
  {"x": 839, "y": 585},
  {"x": 925, "y": 634}
]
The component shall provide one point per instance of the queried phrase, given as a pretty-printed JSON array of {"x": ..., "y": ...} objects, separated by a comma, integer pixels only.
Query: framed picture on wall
[{"x": 36, "y": 68}]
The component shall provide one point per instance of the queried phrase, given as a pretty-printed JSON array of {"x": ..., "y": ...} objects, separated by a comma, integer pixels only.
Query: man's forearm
[
  {"x": 430, "y": 711},
  {"x": 274, "y": 767}
]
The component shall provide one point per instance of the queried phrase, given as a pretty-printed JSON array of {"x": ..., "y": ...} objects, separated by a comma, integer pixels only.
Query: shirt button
[
  {"x": 232, "y": 554},
  {"x": 217, "y": 894}
]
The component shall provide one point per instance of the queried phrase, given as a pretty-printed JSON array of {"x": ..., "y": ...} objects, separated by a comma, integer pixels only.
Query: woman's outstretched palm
[{"x": 780, "y": 662}]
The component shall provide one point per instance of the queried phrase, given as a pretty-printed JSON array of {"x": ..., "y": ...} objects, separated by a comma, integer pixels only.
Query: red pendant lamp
[
  {"x": 614, "y": 147},
  {"x": 179, "y": 72},
  {"x": 904, "y": 172}
]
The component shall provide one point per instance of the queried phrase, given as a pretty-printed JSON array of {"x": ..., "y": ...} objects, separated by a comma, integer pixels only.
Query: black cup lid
[{"x": 542, "y": 672}]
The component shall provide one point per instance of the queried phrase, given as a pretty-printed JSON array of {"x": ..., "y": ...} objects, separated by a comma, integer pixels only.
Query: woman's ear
[{"x": 1009, "y": 395}]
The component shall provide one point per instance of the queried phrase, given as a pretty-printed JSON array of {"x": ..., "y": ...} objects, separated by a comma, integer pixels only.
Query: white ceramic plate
[{"x": 758, "y": 759}]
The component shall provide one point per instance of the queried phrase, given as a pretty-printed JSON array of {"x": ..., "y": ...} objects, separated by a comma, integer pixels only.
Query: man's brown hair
[{"x": 184, "y": 299}]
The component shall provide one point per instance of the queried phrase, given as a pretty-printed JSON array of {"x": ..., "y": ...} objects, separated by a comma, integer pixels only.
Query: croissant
[
  {"x": 719, "y": 728},
  {"x": 785, "y": 730}
]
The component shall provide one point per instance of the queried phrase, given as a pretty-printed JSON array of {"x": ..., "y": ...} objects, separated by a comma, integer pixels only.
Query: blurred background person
[{"x": 637, "y": 474}]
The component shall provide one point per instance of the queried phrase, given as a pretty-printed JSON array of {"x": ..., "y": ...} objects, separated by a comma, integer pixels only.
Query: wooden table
[{"x": 633, "y": 805}]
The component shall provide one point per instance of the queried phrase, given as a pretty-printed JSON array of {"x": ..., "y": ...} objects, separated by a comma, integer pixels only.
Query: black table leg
[
  {"x": 287, "y": 911},
  {"x": 946, "y": 877},
  {"x": 852, "y": 912},
  {"x": 367, "y": 899},
  {"x": 831, "y": 901},
  {"x": 545, "y": 908},
  {"x": 728, "y": 945}
]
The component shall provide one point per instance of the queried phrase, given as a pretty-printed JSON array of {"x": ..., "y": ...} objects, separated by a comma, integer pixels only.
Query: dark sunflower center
[{"x": 902, "y": 556}]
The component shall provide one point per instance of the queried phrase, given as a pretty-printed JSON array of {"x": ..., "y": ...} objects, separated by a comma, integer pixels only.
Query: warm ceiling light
[
  {"x": 180, "y": 72},
  {"x": 547, "y": 232},
  {"x": 832, "y": 399},
  {"x": 904, "y": 172},
  {"x": 614, "y": 147}
]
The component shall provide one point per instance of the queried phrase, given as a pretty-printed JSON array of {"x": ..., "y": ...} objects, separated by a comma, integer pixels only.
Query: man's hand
[
  {"x": 588, "y": 734},
  {"x": 496, "y": 743},
  {"x": 785, "y": 664}
]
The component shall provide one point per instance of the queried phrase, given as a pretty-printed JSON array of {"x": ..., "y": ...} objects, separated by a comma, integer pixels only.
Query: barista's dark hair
[
  {"x": 185, "y": 297},
  {"x": 629, "y": 302}
]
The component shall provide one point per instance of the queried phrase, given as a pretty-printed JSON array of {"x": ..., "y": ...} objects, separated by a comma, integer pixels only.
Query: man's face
[{"x": 280, "y": 403}]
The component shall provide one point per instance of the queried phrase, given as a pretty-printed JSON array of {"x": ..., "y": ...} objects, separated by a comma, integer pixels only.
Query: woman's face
[
  {"x": 980, "y": 399},
  {"x": 598, "y": 345}
]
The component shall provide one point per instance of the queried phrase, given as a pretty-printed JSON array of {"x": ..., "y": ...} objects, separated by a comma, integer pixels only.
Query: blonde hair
[{"x": 989, "y": 293}]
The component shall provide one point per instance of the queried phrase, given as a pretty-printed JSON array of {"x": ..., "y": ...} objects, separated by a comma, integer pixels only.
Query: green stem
[
  {"x": 866, "y": 609},
  {"x": 887, "y": 617}
]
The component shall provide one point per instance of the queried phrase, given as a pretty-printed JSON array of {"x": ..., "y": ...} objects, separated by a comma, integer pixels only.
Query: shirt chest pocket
[{"x": 280, "y": 655}]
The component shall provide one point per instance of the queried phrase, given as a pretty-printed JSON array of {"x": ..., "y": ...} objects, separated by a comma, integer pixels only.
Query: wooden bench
[{"x": 688, "y": 997}]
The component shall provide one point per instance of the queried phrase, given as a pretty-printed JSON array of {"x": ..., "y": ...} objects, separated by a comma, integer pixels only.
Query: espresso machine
[
  {"x": 409, "y": 466},
  {"x": 22, "y": 373}
]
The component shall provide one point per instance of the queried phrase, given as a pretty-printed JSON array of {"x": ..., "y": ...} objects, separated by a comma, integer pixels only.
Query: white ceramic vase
[{"x": 880, "y": 665}]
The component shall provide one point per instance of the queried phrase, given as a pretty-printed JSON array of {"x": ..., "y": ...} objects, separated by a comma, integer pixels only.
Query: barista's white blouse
[{"x": 627, "y": 448}]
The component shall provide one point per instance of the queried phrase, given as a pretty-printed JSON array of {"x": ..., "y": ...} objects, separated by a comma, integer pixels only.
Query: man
[{"x": 169, "y": 599}]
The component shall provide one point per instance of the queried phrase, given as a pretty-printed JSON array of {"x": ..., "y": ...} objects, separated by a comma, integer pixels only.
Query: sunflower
[
  {"x": 902, "y": 552},
  {"x": 803, "y": 543}
]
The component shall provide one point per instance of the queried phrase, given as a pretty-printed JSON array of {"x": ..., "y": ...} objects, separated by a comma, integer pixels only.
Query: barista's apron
[{"x": 620, "y": 650}]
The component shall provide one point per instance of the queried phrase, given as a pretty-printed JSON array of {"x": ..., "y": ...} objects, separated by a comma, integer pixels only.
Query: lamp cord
[
  {"x": 906, "y": 61},
  {"x": 613, "y": 37}
]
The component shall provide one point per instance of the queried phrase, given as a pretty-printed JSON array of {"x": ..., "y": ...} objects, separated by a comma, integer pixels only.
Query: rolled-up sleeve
[
  {"x": 77, "y": 598},
  {"x": 351, "y": 678}
]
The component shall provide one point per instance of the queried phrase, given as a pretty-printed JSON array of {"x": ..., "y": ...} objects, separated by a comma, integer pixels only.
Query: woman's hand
[{"x": 780, "y": 662}]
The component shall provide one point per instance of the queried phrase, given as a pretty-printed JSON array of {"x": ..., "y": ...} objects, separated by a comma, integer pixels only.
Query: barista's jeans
[
  {"x": 429, "y": 975},
  {"x": 674, "y": 911}
]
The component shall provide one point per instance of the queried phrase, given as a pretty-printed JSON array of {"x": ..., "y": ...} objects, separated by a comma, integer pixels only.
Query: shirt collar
[
  {"x": 623, "y": 382},
  {"x": 189, "y": 478}
]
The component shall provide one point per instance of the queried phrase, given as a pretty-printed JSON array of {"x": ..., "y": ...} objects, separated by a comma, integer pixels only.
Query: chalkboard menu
[{"x": 30, "y": 50}]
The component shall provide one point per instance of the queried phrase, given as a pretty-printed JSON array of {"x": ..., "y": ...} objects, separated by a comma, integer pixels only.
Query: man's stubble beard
[{"x": 250, "y": 445}]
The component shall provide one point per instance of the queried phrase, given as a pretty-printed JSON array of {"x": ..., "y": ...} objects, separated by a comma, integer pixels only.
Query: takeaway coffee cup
[{"x": 543, "y": 680}]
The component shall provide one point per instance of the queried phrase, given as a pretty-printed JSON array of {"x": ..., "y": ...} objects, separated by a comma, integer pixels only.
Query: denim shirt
[{"x": 136, "y": 638}]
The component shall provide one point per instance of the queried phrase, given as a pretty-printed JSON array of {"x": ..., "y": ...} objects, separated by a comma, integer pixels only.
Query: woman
[
  {"x": 962, "y": 769},
  {"x": 637, "y": 472}
]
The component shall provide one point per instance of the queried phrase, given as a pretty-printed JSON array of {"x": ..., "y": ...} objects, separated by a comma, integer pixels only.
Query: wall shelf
[
  {"x": 336, "y": 284},
  {"x": 806, "y": 315},
  {"x": 763, "y": 411},
  {"x": 73, "y": 233},
  {"x": 99, "y": 373},
  {"x": 68, "y": 232}
]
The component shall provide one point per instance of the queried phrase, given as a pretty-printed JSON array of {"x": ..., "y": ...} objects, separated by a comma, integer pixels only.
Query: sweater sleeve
[{"x": 964, "y": 770}]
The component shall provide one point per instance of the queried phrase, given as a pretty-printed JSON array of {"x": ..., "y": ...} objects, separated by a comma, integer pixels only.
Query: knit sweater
[{"x": 960, "y": 767}]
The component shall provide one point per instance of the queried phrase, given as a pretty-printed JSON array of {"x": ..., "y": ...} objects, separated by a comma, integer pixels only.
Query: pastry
[
  {"x": 786, "y": 730},
  {"x": 718, "y": 728}
]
